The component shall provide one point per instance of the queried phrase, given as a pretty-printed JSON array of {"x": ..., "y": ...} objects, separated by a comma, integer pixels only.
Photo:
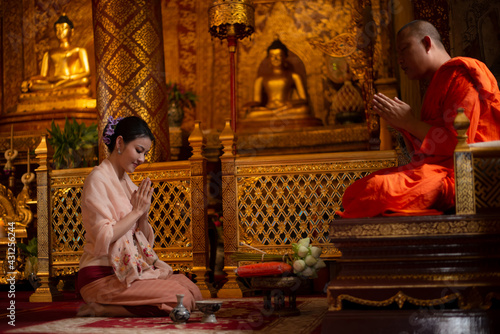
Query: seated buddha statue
[
  {"x": 62, "y": 67},
  {"x": 279, "y": 94}
]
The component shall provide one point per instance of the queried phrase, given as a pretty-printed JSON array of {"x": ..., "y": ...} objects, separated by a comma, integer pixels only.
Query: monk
[{"x": 426, "y": 185}]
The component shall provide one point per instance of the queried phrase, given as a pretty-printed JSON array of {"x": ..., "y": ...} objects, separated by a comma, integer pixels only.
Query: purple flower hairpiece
[{"x": 110, "y": 129}]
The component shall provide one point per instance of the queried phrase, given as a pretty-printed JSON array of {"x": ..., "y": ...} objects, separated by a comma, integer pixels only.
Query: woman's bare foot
[
  {"x": 89, "y": 310},
  {"x": 99, "y": 310}
]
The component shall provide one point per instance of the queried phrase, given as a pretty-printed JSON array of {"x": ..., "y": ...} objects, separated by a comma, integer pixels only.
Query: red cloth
[
  {"x": 264, "y": 269},
  {"x": 426, "y": 185},
  {"x": 90, "y": 274}
]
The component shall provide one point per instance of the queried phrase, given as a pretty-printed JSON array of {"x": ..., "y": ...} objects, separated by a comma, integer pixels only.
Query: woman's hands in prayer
[{"x": 141, "y": 198}]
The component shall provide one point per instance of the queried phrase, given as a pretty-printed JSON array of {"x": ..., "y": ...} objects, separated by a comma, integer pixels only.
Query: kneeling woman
[{"x": 120, "y": 273}]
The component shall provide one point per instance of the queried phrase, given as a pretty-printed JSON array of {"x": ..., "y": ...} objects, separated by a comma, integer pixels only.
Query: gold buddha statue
[
  {"x": 279, "y": 95},
  {"x": 62, "y": 67}
]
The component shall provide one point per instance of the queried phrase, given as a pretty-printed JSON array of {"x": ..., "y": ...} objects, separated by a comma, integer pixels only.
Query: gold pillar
[
  {"x": 130, "y": 66},
  {"x": 46, "y": 292},
  {"x": 199, "y": 190},
  {"x": 230, "y": 212}
]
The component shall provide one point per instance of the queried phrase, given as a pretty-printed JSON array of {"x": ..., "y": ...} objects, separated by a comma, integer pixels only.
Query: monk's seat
[{"x": 405, "y": 262}]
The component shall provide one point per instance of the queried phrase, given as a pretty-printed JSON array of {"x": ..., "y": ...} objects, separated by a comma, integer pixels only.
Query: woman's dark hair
[{"x": 130, "y": 128}]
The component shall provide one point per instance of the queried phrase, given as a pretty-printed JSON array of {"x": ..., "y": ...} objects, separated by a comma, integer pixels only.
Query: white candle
[{"x": 11, "y": 137}]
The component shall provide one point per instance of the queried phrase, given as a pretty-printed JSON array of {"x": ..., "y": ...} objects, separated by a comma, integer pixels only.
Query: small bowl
[{"x": 209, "y": 307}]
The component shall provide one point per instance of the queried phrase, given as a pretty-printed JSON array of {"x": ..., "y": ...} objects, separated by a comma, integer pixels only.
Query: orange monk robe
[{"x": 426, "y": 185}]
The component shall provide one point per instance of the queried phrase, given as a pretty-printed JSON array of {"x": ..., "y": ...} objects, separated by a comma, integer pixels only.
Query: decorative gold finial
[{"x": 231, "y": 18}]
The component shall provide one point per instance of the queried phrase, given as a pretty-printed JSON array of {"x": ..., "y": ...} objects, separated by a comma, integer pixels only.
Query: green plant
[
  {"x": 74, "y": 146},
  {"x": 31, "y": 252},
  {"x": 175, "y": 93},
  {"x": 31, "y": 265}
]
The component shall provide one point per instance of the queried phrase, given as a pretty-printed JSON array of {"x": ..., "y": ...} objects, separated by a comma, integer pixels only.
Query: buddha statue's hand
[
  {"x": 58, "y": 78},
  {"x": 25, "y": 86},
  {"x": 247, "y": 108}
]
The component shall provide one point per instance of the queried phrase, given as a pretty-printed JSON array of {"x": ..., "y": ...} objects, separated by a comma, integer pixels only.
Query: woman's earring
[{"x": 119, "y": 151}]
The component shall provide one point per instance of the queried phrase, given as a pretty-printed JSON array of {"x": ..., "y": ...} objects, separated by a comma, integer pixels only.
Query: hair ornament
[{"x": 110, "y": 129}]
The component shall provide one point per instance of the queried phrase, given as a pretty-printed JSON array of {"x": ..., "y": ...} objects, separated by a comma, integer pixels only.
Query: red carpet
[{"x": 236, "y": 316}]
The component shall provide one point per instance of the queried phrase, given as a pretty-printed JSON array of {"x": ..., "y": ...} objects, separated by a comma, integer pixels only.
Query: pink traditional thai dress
[{"x": 126, "y": 272}]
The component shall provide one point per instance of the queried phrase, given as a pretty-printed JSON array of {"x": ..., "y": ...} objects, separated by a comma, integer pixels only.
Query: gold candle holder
[{"x": 231, "y": 20}]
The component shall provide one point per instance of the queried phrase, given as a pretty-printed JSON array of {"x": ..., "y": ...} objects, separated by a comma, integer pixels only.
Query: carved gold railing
[
  {"x": 479, "y": 190},
  {"x": 270, "y": 202},
  {"x": 177, "y": 215}
]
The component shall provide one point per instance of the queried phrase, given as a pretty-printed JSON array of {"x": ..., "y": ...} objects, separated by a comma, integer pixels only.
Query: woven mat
[{"x": 236, "y": 316}]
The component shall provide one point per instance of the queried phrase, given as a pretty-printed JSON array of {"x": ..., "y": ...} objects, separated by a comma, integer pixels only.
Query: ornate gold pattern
[
  {"x": 296, "y": 139},
  {"x": 451, "y": 227},
  {"x": 130, "y": 66},
  {"x": 342, "y": 45},
  {"x": 21, "y": 143},
  {"x": 437, "y": 13},
  {"x": 46, "y": 292},
  {"x": 320, "y": 167},
  {"x": 170, "y": 216},
  {"x": 487, "y": 182},
  {"x": 12, "y": 48},
  {"x": 435, "y": 278},
  {"x": 464, "y": 178},
  {"x": 277, "y": 210},
  {"x": 399, "y": 298},
  {"x": 272, "y": 202},
  {"x": 13, "y": 209},
  {"x": 464, "y": 184},
  {"x": 239, "y": 13}
]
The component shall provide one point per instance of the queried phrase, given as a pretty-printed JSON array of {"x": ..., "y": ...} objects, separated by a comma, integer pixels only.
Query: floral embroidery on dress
[
  {"x": 148, "y": 251},
  {"x": 132, "y": 257}
]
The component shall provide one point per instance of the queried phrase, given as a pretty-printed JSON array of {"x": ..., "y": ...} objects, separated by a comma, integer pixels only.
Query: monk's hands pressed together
[
  {"x": 396, "y": 112},
  {"x": 141, "y": 198}
]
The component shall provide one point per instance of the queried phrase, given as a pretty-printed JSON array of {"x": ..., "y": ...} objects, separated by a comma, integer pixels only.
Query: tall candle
[
  {"x": 11, "y": 137},
  {"x": 28, "y": 161}
]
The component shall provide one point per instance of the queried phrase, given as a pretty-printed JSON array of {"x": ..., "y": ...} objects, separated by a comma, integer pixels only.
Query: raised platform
[
  {"x": 411, "y": 321},
  {"x": 427, "y": 262},
  {"x": 277, "y": 141}
]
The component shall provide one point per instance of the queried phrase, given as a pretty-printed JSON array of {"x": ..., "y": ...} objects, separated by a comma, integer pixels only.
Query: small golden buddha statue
[
  {"x": 279, "y": 94},
  {"x": 62, "y": 67}
]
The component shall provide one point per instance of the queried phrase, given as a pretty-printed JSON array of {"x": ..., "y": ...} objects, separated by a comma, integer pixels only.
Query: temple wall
[
  {"x": 201, "y": 64},
  {"x": 477, "y": 36},
  {"x": 192, "y": 58}
]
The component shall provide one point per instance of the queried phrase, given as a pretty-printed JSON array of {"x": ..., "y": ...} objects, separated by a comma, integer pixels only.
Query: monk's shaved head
[{"x": 420, "y": 29}]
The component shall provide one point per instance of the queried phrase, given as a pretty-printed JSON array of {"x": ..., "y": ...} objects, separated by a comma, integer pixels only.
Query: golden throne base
[
  {"x": 276, "y": 141},
  {"x": 394, "y": 266},
  {"x": 36, "y": 111}
]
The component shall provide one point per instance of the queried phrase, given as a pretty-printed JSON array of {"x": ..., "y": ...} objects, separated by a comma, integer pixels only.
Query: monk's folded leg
[{"x": 424, "y": 190}]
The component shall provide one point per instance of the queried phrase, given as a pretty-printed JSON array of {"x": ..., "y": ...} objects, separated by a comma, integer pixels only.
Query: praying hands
[
  {"x": 399, "y": 115},
  {"x": 141, "y": 198}
]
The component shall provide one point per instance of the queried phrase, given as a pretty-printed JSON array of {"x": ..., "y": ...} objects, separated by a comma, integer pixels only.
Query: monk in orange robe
[{"x": 426, "y": 185}]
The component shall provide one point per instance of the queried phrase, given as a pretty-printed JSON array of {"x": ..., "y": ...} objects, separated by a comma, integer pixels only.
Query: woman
[{"x": 120, "y": 274}]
